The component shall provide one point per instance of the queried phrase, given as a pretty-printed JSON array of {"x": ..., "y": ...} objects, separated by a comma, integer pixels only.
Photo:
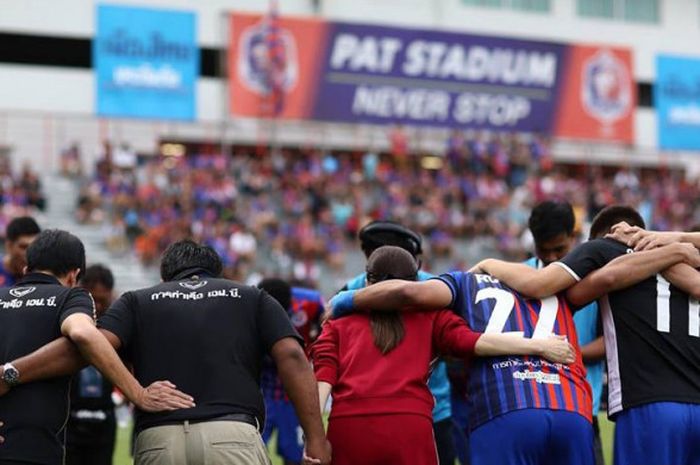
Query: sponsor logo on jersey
[
  {"x": 538, "y": 376},
  {"x": 606, "y": 90},
  {"x": 22, "y": 291}
]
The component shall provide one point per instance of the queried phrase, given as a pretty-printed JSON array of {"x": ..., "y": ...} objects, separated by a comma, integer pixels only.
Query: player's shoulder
[
  {"x": 533, "y": 262},
  {"x": 356, "y": 323},
  {"x": 453, "y": 274},
  {"x": 466, "y": 282},
  {"x": 305, "y": 293},
  {"x": 357, "y": 282},
  {"x": 424, "y": 275},
  {"x": 604, "y": 243}
]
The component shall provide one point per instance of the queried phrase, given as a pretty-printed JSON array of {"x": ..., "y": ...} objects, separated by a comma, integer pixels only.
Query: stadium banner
[
  {"x": 146, "y": 62},
  {"x": 677, "y": 102},
  {"x": 599, "y": 95},
  {"x": 354, "y": 73}
]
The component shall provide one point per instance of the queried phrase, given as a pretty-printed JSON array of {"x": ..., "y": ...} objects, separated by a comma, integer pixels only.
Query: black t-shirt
[
  {"x": 92, "y": 420},
  {"x": 652, "y": 334},
  {"x": 31, "y": 314},
  {"x": 208, "y": 336}
]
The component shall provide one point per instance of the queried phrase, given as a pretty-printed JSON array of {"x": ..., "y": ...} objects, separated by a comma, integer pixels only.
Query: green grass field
[{"x": 121, "y": 454}]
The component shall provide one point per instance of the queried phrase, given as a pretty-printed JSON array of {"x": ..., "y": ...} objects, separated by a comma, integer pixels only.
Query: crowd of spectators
[
  {"x": 20, "y": 193},
  {"x": 299, "y": 209}
]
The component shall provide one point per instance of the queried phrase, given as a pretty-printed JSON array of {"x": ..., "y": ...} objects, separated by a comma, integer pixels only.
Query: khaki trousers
[{"x": 205, "y": 443}]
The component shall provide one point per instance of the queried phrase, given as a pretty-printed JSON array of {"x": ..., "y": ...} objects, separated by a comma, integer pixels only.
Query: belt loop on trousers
[{"x": 187, "y": 426}]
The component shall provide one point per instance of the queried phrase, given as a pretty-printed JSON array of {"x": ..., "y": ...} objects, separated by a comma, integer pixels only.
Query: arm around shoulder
[
  {"x": 555, "y": 349},
  {"x": 629, "y": 269},
  {"x": 396, "y": 294},
  {"x": 529, "y": 281},
  {"x": 684, "y": 277}
]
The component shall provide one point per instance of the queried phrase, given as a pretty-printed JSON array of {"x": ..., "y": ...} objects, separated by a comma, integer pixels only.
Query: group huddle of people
[{"x": 212, "y": 366}]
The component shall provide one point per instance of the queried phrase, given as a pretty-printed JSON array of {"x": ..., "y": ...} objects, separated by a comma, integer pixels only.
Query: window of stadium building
[
  {"x": 540, "y": 6},
  {"x": 640, "y": 11}
]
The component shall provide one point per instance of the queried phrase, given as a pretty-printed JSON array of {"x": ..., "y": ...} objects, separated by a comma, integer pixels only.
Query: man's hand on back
[{"x": 163, "y": 396}]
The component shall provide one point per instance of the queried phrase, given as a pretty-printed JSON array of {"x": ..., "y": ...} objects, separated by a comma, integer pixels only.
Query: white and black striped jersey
[{"x": 652, "y": 334}]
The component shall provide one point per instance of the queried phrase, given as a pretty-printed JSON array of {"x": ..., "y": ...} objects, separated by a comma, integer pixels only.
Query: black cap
[{"x": 380, "y": 233}]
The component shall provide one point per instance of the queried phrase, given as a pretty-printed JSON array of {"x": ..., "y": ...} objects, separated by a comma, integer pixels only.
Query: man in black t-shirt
[
  {"x": 92, "y": 425},
  {"x": 209, "y": 336},
  {"x": 34, "y": 313},
  {"x": 652, "y": 336}
]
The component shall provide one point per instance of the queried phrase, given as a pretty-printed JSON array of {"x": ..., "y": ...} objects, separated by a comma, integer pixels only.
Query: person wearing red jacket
[{"x": 377, "y": 365}]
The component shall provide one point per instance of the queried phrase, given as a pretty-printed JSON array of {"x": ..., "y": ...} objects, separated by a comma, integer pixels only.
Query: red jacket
[{"x": 366, "y": 382}]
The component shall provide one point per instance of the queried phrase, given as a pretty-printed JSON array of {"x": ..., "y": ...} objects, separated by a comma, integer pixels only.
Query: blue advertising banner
[
  {"x": 147, "y": 62},
  {"x": 434, "y": 77},
  {"x": 677, "y": 102}
]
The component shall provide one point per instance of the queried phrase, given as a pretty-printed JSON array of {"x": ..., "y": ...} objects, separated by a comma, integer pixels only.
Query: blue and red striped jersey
[
  {"x": 6, "y": 278},
  {"x": 305, "y": 312},
  {"x": 498, "y": 385}
]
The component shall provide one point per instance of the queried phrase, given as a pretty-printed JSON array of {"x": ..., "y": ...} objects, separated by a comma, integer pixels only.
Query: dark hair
[
  {"x": 185, "y": 254},
  {"x": 21, "y": 226},
  {"x": 550, "y": 219},
  {"x": 610, "y": 216},
  {"x": 279, "y": 289},
  {"x": 379, "y": 233},
  {"x": 98, "y": 274},
  {"x": 56, "y": 251},
  {"x": 389, "y": 262}
]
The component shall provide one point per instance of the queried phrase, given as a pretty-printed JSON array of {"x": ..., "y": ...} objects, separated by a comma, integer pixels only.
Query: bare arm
[
  {"x": 555, "y": 349},
  {"x": 529, "y": 281},
  {"x": 684, "y": 277},
  {"x": 324, "y": 392},
  {"x": 408, "y": 295},
  {"x": 629, "y": 269},
  {"x": 594, "y": 351},
  {"x": 95, "y": 347},
  {"x": 57, "y": 358},
  {"x": 641, "y": 239},
  {"x": 299, "y": 383}
]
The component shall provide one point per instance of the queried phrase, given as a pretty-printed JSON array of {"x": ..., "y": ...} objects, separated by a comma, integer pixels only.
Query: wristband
[{"x": 342, "y": 303}]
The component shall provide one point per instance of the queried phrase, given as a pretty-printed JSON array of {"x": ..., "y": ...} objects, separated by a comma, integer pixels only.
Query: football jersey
[
  {"x": 6, "y": 278},
  {"x": 588, "y": 328},
  {"x": 498, "y": 385},
  {"x": 305, "y": 312},
  {"x": 652, "y": 334}
]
